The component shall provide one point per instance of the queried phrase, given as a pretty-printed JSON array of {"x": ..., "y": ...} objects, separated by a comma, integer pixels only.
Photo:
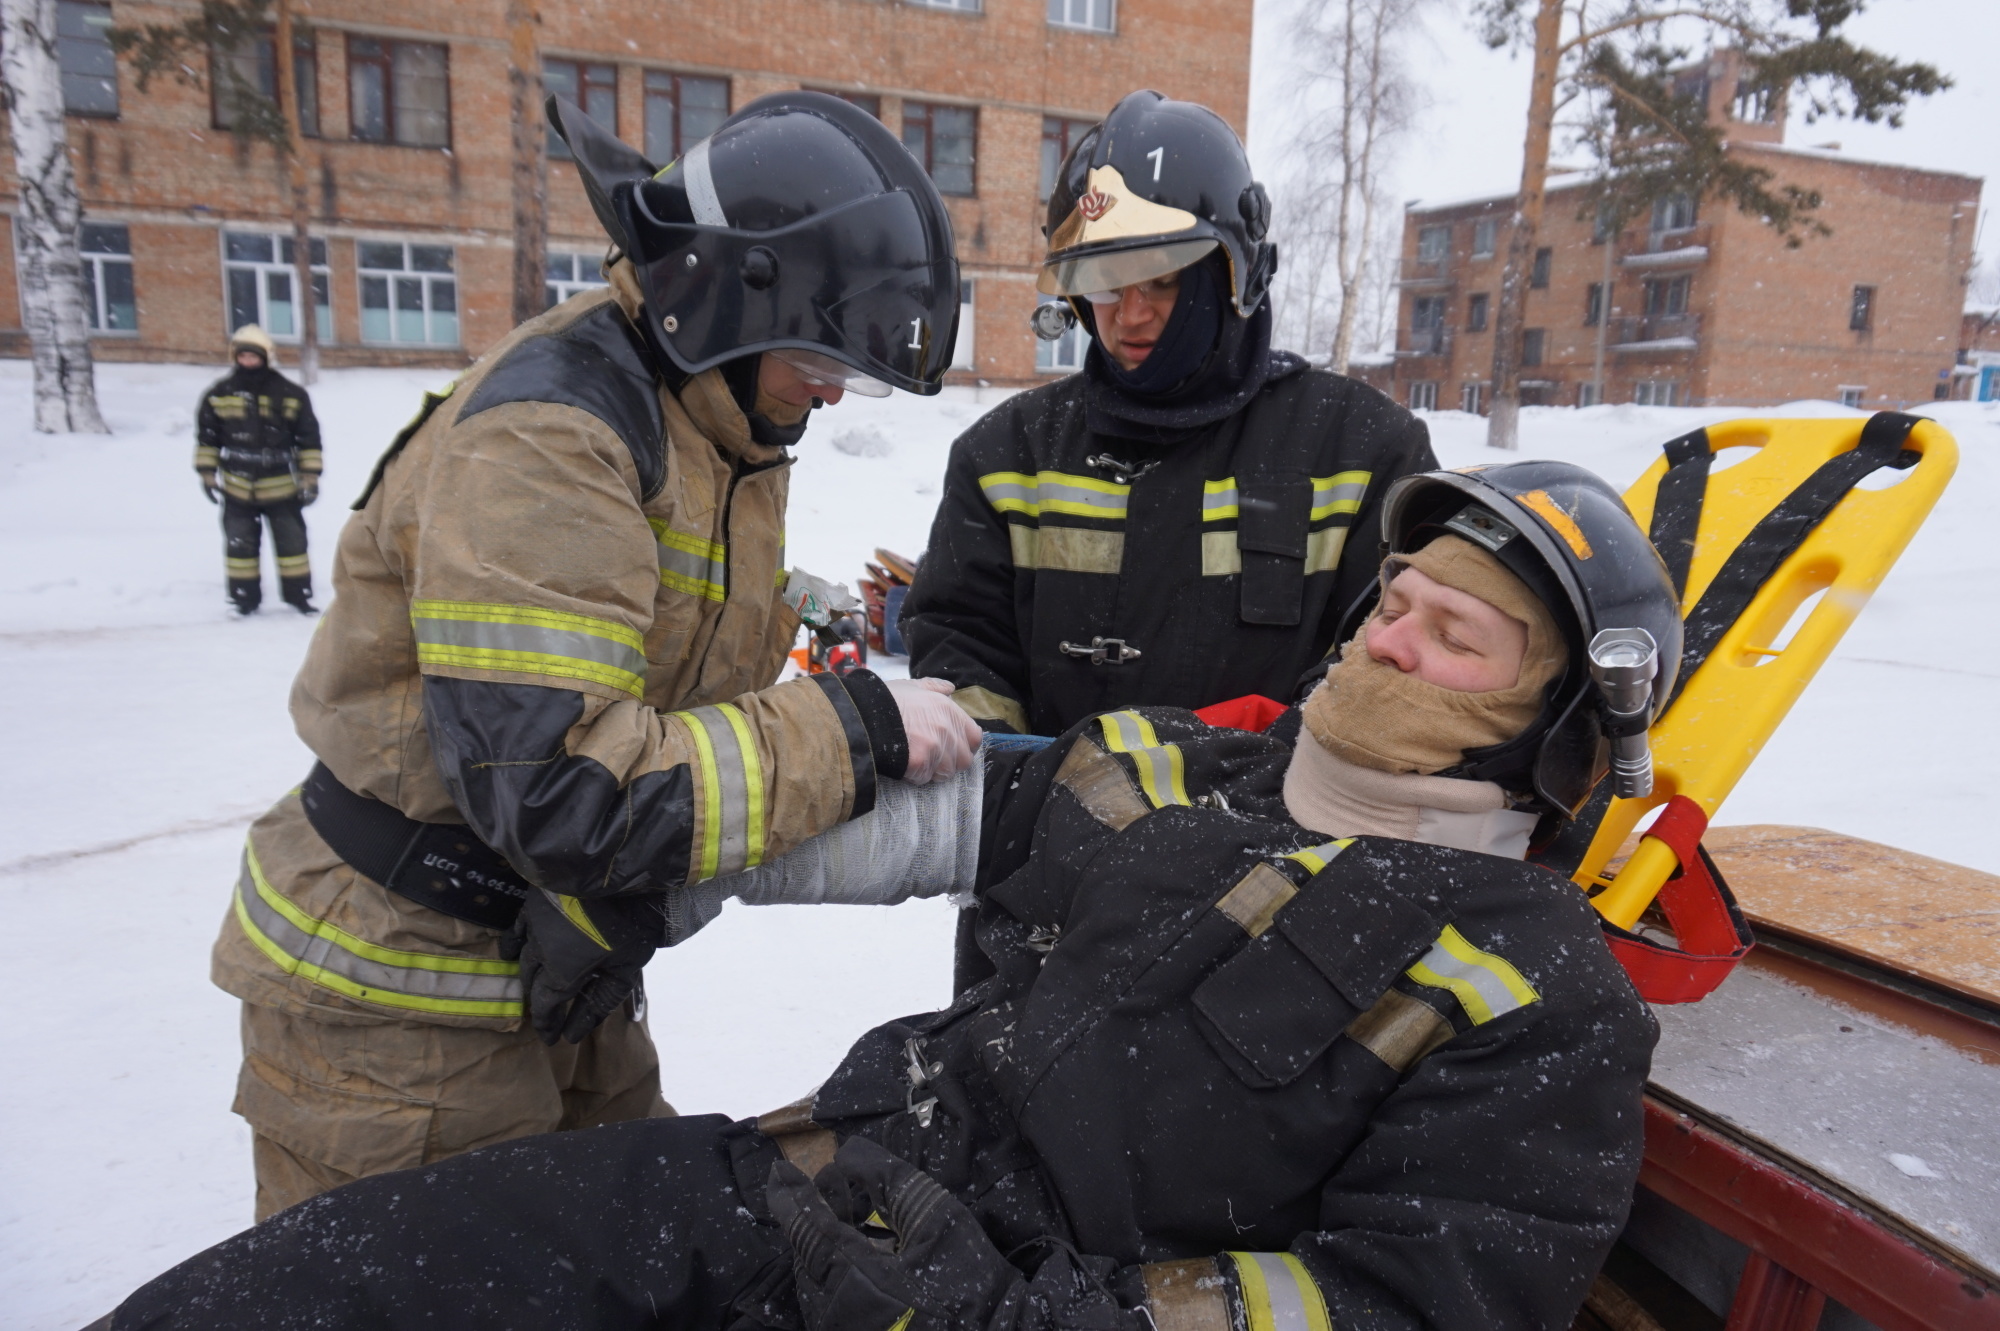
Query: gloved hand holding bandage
[{"x": 942, "y": 738}]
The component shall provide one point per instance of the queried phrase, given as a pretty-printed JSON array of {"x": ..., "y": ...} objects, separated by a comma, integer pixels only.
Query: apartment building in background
[
  {"x": 1698, "y": 304},
  {"x": 405, "y": 108}
]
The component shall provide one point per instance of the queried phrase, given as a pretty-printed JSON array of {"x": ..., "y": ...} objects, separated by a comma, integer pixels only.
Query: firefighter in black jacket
[
  {"x": 1174, "y": 524},
  {"x": 257, "y": 453},
  {"x": 1227, "y": 1073}
]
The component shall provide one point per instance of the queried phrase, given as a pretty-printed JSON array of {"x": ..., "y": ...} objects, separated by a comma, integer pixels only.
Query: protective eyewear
[{"x": 826, "y": 372}]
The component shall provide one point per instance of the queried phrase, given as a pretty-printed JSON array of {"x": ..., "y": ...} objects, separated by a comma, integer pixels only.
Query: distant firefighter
[{"x": 257, "y": 453}]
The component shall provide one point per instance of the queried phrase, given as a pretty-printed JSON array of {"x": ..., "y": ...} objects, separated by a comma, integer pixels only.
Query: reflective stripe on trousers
[{"x": 1278, "y": 1294}]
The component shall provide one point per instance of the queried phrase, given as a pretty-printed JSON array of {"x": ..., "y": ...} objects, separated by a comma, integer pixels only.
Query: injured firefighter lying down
[{"x": 1279, "y": 1033}]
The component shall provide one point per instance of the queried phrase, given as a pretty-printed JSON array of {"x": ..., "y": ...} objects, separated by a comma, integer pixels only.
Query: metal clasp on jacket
[
  {"x": 920, "y": 1074},
  {"x": 1124, "y": 473},
  {"x": 1102, "y": 651}
]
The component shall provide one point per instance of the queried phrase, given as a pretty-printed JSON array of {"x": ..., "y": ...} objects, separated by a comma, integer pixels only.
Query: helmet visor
[
  {"x": 825, "y": 371},
  {"x": 1085, "y": 274}
]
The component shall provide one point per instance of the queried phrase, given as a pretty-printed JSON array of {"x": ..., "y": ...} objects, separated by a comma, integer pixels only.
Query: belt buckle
[{"x": 1102, "y": 651}]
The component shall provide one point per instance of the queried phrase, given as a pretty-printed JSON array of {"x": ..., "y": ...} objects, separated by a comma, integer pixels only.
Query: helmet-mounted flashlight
[{"x": 1624, "y": 663}]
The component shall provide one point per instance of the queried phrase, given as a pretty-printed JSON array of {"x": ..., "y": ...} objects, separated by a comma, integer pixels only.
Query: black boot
[
  {"x": 298, "y": 595},
  {"x": 245, "y": 595}
]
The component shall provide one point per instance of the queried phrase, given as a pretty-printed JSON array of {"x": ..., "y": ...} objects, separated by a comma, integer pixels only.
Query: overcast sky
[{"x": 1468, "y": 141}]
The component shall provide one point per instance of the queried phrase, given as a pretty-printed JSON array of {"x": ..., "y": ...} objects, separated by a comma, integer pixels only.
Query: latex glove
[
  {"x": 943, "y": 739},
  {"x": 209, "y": 488},
  {"x": 581, "y": 959},
  {"x": 308, "y": 490}
]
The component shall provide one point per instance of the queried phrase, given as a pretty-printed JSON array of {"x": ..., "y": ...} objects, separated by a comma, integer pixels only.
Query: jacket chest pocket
[{"x": 1275, "y": 1007}]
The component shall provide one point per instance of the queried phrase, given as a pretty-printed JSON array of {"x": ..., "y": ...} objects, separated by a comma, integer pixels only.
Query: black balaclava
[
  {"x": 741, "y": 376},
  {"x": 1208, "y": 363}
]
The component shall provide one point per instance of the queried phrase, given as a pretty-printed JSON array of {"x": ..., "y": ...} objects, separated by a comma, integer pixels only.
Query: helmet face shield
[
  {"x": 823, "y": 370},
  {"x": 1089, "y": 274}
]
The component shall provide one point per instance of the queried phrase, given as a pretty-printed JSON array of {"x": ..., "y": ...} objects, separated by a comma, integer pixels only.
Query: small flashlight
[{"x": 1624, "y": 663}]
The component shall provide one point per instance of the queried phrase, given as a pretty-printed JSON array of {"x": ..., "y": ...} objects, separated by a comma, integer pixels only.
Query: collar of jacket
[
  {"x": 1338, "y": 798},
  {"x": 705, "y": 397}
]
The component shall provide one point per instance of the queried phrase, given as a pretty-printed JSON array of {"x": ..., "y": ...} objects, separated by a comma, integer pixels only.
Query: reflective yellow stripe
[
  {"x": 1316, "y": 858},
  {"x": 902, "y": 1323},
  {"x": 1055, "y": 492},
  {"x": 207, "y": 457},
  {"x": 1161, "y": 768},
  {"x": 572, "y": 909},
  {"x": 310, "y": 459},
  {"x": 1339, "y": 493},
  {"x": 241, "y": 568},
  {"x": 693, "y": 565},
  {"x": 1278, "y": 1294},
  {"x": 1218, "y": 499},
  {"x": 1486, "y": 986},
  {"x": 329, "y": 956},
  {"x": 732, "y": 814},
  {"x": 529, "y": 640},
  {"x": 292, "y": 566}
]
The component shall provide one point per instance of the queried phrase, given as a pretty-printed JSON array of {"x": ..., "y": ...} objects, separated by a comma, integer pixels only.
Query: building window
[
  {"x": 254, "y": 63},
  {"x": 1667, "y": 295},
  {"x": 1593, "y": 305},
  {"x": 1472, "y": 398},
  {"x": 1065, "y": 353},
  {"x": 107, "y": 278},
  {"x": 961, "y": 351},
  {"x": 83, "y": 55},
  {"x": 398, "y": 92},
  {"x": 1090, "y": 15},
  {"x": 963, "y": 6},
  {"x": 1475, "y": 312},
  {"x": 1485, "y": 236},
  {"x": 1538, "y": 276},
  {"x": 258, "y": 277},
  {"x": 867, "y": 101},
  {"x": 1532, "y": 341},
  {"x": 1851, "y": 394},
  {"x": 408, "y": 294},
  {"x": 681, "y": 111},
  {"x": 594, "y": 89},
  {"x": 943, "y": 139},
  {"x": 1861, "y": 312},
  {"x": 1753, "y": 105},
  {"x": 1059, "y": 135},
  {"x": 1675, "y": 212},
  {"x": 1424, "y": 395},
  {"x": 1657, "y": 393},
  {"x": 570, "y": 274},
  {"x": 1587, "y": 395},
  {"x": 1433, "y": 243}
]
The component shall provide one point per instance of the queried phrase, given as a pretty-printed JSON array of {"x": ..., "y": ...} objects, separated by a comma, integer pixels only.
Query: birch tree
[
  {"x": 49, "y": 269},
  {"x": 1619, "y": 49},
  {"x": 1357, "y": 98}
]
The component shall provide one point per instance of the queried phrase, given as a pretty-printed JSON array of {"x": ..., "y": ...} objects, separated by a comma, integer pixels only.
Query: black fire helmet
[
  {"x": 800, "y": 225},
  {"x": 1154, "y": 187},
  {"x": 1566, "y": 533}
]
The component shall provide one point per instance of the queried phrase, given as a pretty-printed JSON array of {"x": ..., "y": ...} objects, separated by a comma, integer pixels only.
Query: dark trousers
[
  {"x": 242, "y": 535},
  {"x": 657, "y": 1223}
]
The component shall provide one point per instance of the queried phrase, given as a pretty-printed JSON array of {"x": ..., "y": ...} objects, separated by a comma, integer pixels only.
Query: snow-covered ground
[{"x": 144, "y": 726}]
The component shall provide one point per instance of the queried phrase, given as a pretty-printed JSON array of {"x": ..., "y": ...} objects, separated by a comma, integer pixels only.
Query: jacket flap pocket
[
  {"x": 1359, "y": 934},
  {"x": 1272, "y": 1007},
  {"x": 1272, "y": 515}
]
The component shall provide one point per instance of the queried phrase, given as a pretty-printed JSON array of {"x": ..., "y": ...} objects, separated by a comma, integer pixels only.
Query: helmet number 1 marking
[
  {"x": 916, "y": 334},
  {"x": 1157, "y": 156}
]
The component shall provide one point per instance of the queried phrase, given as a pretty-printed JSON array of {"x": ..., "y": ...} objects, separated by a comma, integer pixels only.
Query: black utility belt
[
  {"x": 258, "y": 457},
  {"x": 439, "y": 865}
]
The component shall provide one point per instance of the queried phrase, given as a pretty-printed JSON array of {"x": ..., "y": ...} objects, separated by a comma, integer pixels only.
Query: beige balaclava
[{"x": 1374, "y": 737}]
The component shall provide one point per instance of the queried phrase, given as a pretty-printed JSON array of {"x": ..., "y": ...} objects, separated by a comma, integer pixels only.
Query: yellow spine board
[{"x": 1735, "y": 701}]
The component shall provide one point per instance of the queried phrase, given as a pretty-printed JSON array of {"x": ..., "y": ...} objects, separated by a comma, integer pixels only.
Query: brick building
[
  {"x": 406, "y": 109},
  {"x": 1698, "y": 303}
]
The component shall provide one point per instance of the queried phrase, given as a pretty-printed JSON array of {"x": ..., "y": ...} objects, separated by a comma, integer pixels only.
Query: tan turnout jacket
[{"x": 533, "y": 543}]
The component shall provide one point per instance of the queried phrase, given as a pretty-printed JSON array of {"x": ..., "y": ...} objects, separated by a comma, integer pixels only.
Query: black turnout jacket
[
  {"x": 257, "y": 428},
  {"x": 1414, "y": 1071},
  {"x": 1219, "y": 566}
]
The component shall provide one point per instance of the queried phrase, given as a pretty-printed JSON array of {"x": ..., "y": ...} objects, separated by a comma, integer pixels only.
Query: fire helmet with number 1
[
  {"x": 801, "y": 228},
  {"x": 1156, "y": 186}
]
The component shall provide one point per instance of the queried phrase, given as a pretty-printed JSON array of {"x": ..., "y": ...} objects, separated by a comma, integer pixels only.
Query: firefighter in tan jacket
[{"x": 543, "y": 699}]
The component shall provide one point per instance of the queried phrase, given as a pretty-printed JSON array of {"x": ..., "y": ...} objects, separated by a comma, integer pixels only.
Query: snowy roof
[
  {"x": 1566, "y": 181},
  {"x": 1835, "y": 155}
]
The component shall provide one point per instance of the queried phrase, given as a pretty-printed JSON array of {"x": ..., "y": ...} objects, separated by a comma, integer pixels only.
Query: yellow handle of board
[{"x": 1735, "y": 701}]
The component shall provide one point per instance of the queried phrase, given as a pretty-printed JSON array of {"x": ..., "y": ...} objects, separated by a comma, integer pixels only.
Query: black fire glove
[
  {"x": 308, "y": 490},
  {"x": 581, "y": 959},
  {"x": 943, "y": 1273},
  {"x": 209, "y": 488}
]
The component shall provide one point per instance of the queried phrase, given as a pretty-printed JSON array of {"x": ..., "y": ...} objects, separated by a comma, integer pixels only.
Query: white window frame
[
  {"x": 961, "y": 351},
  {"x": 1658, "y": 393},
  {"x": 1471, "y": 397},
  {"x": 1065, "y": 354},
  {"x": 322, "y": 283},
  {"x": 1853, "y": 395},
  {"x": 1485, "y": 237},
  {"x": 1587, "y": 395},
  {"x": 428, "y": 281},
  {"x": 564, "y": 287},
  {"x": 1084, "y": 15},
  {"x": 1423, "y": 395},
  {"x": 1434, "y": 242},
  {"x": 961, "y": 6}
]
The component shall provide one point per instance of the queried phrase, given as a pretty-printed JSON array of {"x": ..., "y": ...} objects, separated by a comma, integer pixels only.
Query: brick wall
[{"x": 176, "y": 182}]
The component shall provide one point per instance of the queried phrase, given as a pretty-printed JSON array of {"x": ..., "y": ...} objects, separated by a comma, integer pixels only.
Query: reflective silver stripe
[
  {"x": 1278, "y": 1294},
  {"x": 1160, "y": 765},
  {"x": 732, "y": 795},
  {"x": 431, "y": 989},
  {"x": 1217, "y": 504},
  {"x": 1338, "y": 494},
  {"x": 1486, "y": 985},
  {"x": 1097, "y": 502},
  {"x": 487, "y": 635},
  {"x": 702, "y": 198},
  {"x": 707, "y": 574}
]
